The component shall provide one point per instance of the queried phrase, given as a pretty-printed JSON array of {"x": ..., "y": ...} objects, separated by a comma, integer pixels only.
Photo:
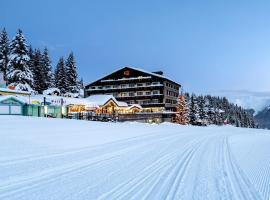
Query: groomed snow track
[{"x": 66, "y": 159}]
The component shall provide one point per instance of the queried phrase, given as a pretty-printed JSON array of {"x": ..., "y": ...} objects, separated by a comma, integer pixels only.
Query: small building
[
  {"x": 151, "y": 90},
  {"x": 11, "y": 105}
]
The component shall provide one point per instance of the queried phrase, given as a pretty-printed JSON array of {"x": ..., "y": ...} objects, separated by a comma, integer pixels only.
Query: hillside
[
  {"x": 67, "y": 159},
  {"x": 247, "y": 99}
]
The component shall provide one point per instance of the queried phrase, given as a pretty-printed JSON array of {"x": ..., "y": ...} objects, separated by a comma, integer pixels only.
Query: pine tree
[
  {"x": 202, "y": 110},
  {"x": 181, "y": 116},
  {"x": 193, "y": 111},
  {"x": 4, "y": 52},
  {"x": 19, "y": 74},
  {"x": 47, "y": 70},
  {"x": 31, "y": 55},
  {"x": 60, "y": 76},
  {"x": 71, "y": 71},
  {"x": 38, "y": 74},
  {"x": 209, "y": 109},
  {"x": 81, "y": 86}
]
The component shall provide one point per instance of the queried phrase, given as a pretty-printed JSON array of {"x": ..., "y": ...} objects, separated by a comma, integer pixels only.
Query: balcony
[
  {"x": 123, "y": 87},
  {"x": 127, "y": 79}
]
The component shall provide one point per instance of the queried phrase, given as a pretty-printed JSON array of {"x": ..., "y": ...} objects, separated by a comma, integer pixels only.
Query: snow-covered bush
[{"x": 52, "y": 91}]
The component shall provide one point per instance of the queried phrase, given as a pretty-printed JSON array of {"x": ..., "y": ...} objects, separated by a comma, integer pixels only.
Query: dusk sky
[{"x": 204, "y": 45}]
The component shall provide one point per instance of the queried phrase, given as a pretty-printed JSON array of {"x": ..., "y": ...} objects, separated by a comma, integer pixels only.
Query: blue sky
[{"x": 204, "y": 45}]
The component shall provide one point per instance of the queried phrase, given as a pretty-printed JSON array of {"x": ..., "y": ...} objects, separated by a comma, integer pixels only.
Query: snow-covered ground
[{"x": 68, "y": 159}]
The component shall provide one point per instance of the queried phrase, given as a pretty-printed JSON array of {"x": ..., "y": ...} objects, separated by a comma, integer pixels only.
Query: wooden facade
[{"x": 152, "y": 90}]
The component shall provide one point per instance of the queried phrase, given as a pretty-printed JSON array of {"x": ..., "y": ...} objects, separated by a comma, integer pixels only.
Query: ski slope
[{"x": 68, "y": 159}]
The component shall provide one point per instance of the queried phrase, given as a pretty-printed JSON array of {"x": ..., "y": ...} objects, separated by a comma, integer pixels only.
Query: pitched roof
[
  {"x": 5, "y": 97},
  {"x": 138, "y": 69},
  {"x": 103, "y": 99}
]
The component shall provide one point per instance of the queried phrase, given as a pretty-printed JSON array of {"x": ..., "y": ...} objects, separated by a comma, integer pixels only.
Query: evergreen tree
[
  {"x": 182, "y": 111},
  {"x": 38, "y": 74},
  {"x": 19, "y": 74},
  {"x": 215, "y": 110},
  {"x": 202, "y": 110},
  {"x": 4, "y": 52},
  {"x": 31, "y": 55},
  {"x": 193, "y": 111},
  {"x": 47, "y": 70},
  {"x": 71, "y": 71},
  {"x": 60, "y": 76},
  {"x": 81, "y": 86}
]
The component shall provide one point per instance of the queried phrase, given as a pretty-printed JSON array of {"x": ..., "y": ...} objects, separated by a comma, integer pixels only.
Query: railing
[
  {"x": 126, "y": 79},
  {"x": 126, "y": 87}
]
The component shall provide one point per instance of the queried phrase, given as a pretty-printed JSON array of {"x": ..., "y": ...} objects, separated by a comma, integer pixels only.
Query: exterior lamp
[
  {"x": 63, "y": 110},
  {"x": 45, "y": 107},
  {"x": 46, "y": 110}
]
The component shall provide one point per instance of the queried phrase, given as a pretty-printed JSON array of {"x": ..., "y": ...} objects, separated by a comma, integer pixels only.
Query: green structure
[{"x": 11, "y": 105}]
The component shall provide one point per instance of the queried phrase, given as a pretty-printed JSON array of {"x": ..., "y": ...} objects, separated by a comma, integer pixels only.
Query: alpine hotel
[{"x": 153, "y": 91}]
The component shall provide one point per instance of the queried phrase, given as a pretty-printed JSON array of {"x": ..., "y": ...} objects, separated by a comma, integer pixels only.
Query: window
[
  {"x": 139, "y": 84},
  {"x": 132, "y": 102},
  {"x": 100, "y": 87},
  {"x": 115, "y": 86},
  {"x": 131, "y": 94},
  {"x": 155, "y": 83},
  {"x": 139, "y": 93},
  {"x": 146, "y": 102},
  {"x": 147, "y": 84},
  {"x": 148, "y": 93},
  {"x": 155, "y": 101},
  {"x": 107, "y": 86},
  {"x": 93, "y": 87},
  {"x": 123, "y": 86},
  {"x": 156, "y": 92},
  {"x": 123, "y": 94},
  {"x": 131, "y": 85}
]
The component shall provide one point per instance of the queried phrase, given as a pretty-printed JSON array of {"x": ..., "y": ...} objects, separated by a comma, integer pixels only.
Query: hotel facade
[{"x": 153, "y": 91}]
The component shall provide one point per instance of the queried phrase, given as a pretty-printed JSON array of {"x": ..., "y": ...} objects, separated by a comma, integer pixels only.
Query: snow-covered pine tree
[
  {"x": 47, "y": 70},
  {"x": 210, "y": 109},
  {"x": 81, "y": 84},
  {"x": 18, "y": 74},
  {"x": 31, "y": 55},
  {"x": 60, "y": 76},
  {"x": 72, "y": 76},
  {"x": 202, "y": 110},
  {"x": 193, "y": 111},
  {"x": 181, "y": 116},
  {"x": 38, "y": 74},
  {"x": 4, "y": 52}
]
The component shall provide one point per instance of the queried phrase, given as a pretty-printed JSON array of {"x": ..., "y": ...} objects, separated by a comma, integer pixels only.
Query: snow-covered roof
[
  {"x": 5, "y": 97},
  {"x": 91, "y": 101},
  {"x": 14, "y": 91},
  {"x": 56, "y": 100},
  {"x": 135, "y": 106},
  {"x": 141, "y": 70},
  {"x": 103, "y": 99}
]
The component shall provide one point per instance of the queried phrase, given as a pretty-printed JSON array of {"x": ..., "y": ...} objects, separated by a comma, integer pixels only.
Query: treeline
[
  {"x": 206, "y": 110},
  {"x": 28, "y": 69}
]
